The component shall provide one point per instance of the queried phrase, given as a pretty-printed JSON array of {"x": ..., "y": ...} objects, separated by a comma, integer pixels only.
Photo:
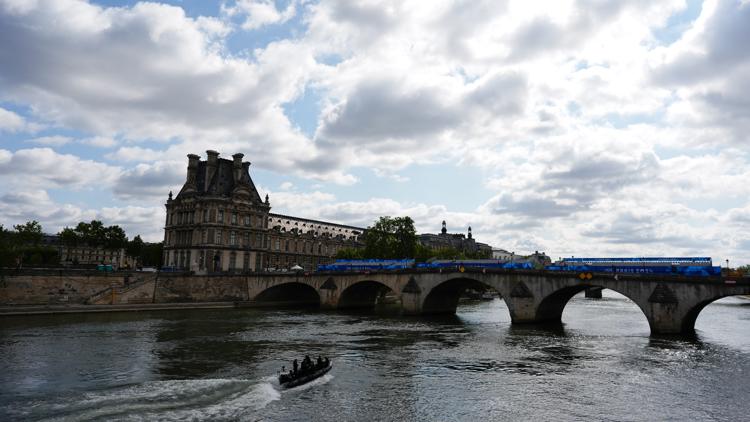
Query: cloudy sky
[{"x": 579, "y": 127}]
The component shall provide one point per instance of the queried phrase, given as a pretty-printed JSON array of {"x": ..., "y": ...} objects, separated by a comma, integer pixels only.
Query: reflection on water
[{"x": 221, "y": 365}]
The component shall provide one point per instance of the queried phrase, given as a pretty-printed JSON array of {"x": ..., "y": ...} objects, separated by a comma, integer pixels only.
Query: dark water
[{"x": 220, "y": 365}]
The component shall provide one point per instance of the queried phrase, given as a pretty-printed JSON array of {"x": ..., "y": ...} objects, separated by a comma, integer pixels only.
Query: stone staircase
[{"x": 138, "y": 289}]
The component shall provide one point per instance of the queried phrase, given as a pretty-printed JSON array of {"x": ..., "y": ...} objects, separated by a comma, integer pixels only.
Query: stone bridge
[{"x": 671, "y": 304}]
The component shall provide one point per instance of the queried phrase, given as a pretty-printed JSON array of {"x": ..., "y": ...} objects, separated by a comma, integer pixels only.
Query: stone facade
[
  {"x": 218, "y": 222},
  {"x": 85, "y": 255},
  {"x": 458, "y": 241}
]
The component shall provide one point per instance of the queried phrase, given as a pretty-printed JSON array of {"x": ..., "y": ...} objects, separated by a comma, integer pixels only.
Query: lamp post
[{"x": 727, "y": 264}]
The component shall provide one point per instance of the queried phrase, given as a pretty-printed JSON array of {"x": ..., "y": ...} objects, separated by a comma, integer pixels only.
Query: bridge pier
[
  {"x": 522, "y": 310},
  {"x": 411, "y": 303},
  {"x": 594, "y": 293}
]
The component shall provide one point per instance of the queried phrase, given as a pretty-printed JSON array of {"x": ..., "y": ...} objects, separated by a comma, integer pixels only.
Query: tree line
[
  {"x": 396, "y": 238},
  {"x": 23, "y": 244}
]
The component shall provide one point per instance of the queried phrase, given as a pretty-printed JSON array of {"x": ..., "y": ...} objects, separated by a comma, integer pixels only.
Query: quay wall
[
  {"x": 27, "y": 287},
  {"x": 78, "y": 287},
  {"x": 185, "y": 288}
]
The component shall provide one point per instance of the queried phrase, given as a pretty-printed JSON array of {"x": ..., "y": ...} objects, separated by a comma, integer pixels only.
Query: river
[{"x": 221, "y": 365}]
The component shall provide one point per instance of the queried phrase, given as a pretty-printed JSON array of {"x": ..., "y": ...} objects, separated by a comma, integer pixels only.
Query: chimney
[
  {"x": 246, "y": 171},
  {"x": 192, "y": 170},
  {"x": 237, "y": 167},
  {"x": 211, "y": 163}
]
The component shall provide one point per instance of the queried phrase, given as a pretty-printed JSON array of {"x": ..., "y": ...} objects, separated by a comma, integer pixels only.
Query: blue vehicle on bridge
[
  {"x": 402, "y": 264},
  {"x": 367, "y": 265},
  {"x": 689, "y": 266}
]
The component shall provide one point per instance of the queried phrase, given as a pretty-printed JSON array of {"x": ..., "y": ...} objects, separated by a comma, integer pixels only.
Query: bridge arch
[
  {"x": 443, "y": 298},
  {"x": 363, "y": 294},
  {"x": 287, "y": 294},
  {"x": 551, "y": 307},
  {"x": 691, "y": 316}
]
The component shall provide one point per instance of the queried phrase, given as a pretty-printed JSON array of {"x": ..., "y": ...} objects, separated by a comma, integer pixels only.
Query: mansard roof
[
  {"x": 222, "y": 182},
  {"x": 304, "y": 225},
  {"x": 288, "y": 219}
]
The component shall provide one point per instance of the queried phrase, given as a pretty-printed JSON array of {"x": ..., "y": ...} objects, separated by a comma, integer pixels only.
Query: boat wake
[
  {"x": 216, "y": 399},
  {"x": 312, "y": 384}
]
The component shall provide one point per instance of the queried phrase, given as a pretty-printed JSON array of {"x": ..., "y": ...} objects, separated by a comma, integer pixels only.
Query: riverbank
[{"x": 69, "y": 309}]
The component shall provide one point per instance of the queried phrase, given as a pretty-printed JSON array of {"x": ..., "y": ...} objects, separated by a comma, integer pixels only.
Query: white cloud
[
  {"x": 43, "y": 167},
  {"x": 53, "y": 141},
  {"x": 10, "y": 121},
  {"x": 150, "y": 182},
  {"x": 259, "y": 13},
  {"x": 709, "y": 71},
  {"x": 99, "y": 142},
  {"x": 135, "y": 154},
  {"x": 157, "y": 75}
]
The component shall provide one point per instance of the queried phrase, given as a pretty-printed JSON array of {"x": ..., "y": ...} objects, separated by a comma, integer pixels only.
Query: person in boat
[
  {"x": 295, "y": 367},
  {"x": 307, "y": 363},
  {"x": 319, "y": 362},
  {"x": 326, "y": 362}
]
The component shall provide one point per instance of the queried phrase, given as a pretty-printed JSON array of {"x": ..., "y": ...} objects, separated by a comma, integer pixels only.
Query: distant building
[
  {"x": 458, "y": 241},
  {"x": 502, "y": 255},
  {"x": 218, "y": 222},
  {"x": 537, "y": 258},
  {"x": 86, "y": 255}
]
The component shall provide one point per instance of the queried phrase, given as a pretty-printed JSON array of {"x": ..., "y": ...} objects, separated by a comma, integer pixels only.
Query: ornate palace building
[
  {"x": 457, "y": 241},
  {"x": 218, "y": 222}
]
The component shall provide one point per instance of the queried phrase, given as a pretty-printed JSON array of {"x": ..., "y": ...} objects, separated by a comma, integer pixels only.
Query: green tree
[
  {"x": 349, "y": 253},
  {"x": 7, "y": 247},
  {"x": 114, "y": 238},
  {"x": 29, "y": 233},
  {"x": 152, "y": 254},
  {"x": 391, "y": 238},
  {"x": 95, "y": 234},
  {"x": 70, "y": 237},
  {"x": 135, "y": 247},
  {"x": 23, "y": 246}
]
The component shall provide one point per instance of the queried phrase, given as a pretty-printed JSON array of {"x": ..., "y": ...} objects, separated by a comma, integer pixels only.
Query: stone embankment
[{"x": 31, "y": 291}]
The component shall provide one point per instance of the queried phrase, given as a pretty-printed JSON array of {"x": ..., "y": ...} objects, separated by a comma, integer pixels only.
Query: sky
[{"x": 573, "y": 127}]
